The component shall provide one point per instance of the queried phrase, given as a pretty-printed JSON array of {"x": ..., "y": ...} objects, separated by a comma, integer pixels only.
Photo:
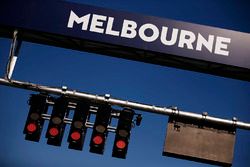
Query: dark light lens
[
  {"x": 34, "y": 116},
  {"x": 56, "y": 120},
  {"x": 100, "y": 128},
  {"x": 123, "y": 133},
  {"x": 78, "y": 124}
]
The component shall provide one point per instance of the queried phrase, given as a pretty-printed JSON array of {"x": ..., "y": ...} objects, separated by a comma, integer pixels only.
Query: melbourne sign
[
  {"x": 129, "y": 30},
  {"x": 131, "y": 36}
]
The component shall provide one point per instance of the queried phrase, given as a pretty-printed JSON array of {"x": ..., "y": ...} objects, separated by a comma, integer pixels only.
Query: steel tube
[
  {"x": 123, "y": 103},
  {"x": 87, "y": 124}
]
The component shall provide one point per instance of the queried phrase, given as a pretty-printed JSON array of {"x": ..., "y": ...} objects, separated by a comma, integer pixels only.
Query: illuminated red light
[
  {"x": 31, "y": 127},
  {"x": 53, "y": 132},
  {"x": 75, "y": 135},
  {"x": 98, "y": 140},
  {"x": 120, "y": 144}
]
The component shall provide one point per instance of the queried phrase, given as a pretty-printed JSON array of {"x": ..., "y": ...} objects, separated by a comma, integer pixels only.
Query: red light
[
  {"x": 120, "y": 144},
  {"x": 75, "y": 135},
  {"x": 53, "y": 132},
  {"x": 98, "y": 140},
  {"x": 31, "y": 127}
]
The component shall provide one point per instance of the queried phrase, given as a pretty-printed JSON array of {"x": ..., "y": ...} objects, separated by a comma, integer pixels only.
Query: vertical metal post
[{"x": 13, "y": 54}]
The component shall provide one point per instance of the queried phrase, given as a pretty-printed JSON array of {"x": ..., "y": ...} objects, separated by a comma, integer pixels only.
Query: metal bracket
[
  {"x": 204, "y": 116},
  {"x": 87, "y": 124},
  {"x": 64, "y": 89},
  {"x": 175, "y": 110},
  {"x": 107, "y": 97}
]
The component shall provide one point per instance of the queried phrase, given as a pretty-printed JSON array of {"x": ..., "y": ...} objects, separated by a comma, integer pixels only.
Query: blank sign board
[{"x": 200, "y": 142}]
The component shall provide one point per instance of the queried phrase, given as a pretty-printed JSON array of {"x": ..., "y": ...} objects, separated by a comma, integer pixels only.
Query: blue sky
[{"x": 128, "y": 80}]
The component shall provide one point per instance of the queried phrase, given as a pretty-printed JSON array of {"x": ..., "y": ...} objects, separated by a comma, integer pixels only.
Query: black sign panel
[{"x": 131, "y": 36}]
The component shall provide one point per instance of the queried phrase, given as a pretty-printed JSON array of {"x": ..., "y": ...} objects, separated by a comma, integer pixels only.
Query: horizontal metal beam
[
  {"x": 87, "y": 124},
  {"x": 123, "y": 103}
]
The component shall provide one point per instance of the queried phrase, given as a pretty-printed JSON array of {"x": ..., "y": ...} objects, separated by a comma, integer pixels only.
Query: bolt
[
  {"x": 205, "y": 114},
  {"x": 107, "y": 96}
]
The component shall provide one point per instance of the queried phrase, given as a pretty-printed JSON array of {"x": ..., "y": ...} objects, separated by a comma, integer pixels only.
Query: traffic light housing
[
  {"x": 34, "y": 123},
  {"x": 56, "y": 126},
  {"x": 122, "y": 136},
  {"x": 82, "y": 110},
  {"x": 78, "y": 129},
  {"x": 100, "y": 129}
]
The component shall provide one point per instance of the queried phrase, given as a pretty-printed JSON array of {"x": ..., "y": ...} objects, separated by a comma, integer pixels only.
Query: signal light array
[{"x": 62, "y": 106}]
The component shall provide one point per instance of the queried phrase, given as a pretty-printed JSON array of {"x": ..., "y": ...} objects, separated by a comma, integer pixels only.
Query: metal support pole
[
  {"x": 14, "y": 49},
  {"x": 139, "y": 106}
]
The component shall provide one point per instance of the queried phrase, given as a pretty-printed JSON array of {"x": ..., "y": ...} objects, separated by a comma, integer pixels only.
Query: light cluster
[{"x": 39, "y": 104}]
